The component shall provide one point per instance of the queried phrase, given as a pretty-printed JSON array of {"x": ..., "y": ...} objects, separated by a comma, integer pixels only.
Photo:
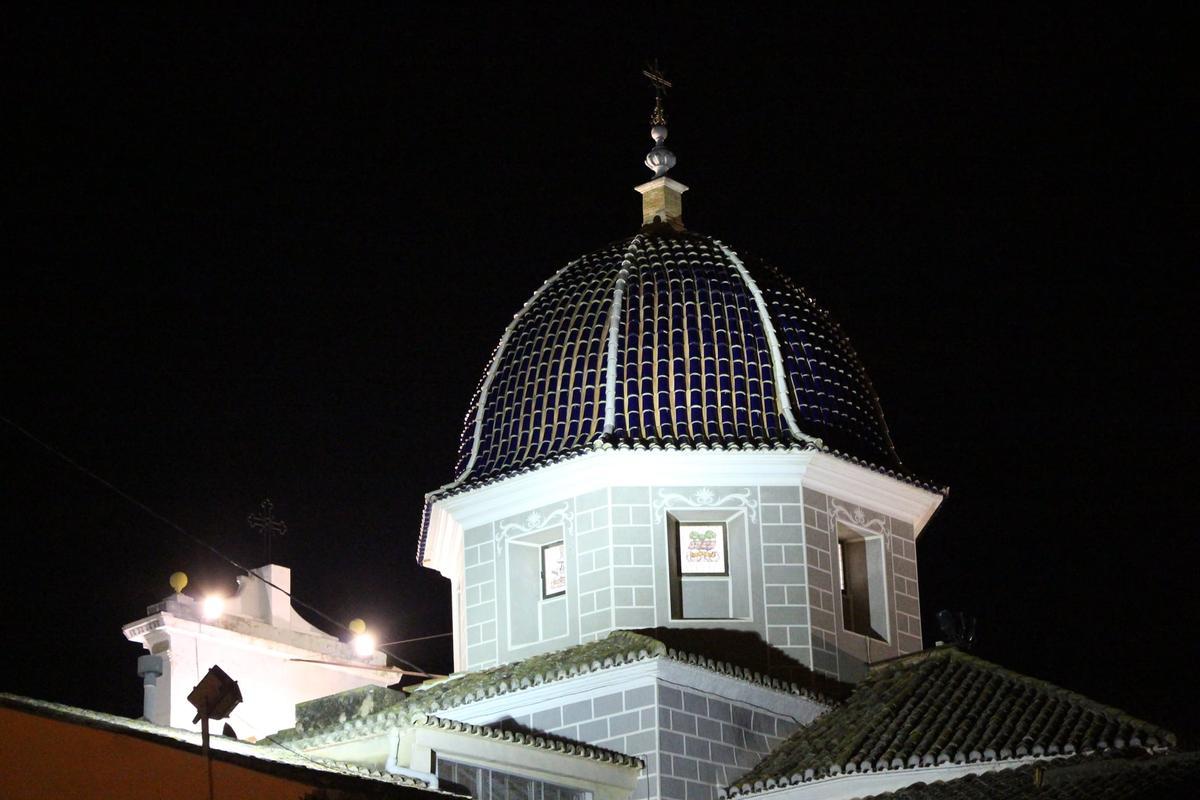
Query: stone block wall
[
  {"x": 908, "y": 600},
  {"x": 620, "y": 719},
  {"x": 634, "y": 563},
  {"x": 593, "y": 564},
  {"x": 785, "y": 576},
  {"x": 706, "y": 742},
  {"x": 618, "y": 575},
  {"x": 479, "y": 557},
  {"x": 836, "y": 651},
  {"x": 693, "y": 741}
]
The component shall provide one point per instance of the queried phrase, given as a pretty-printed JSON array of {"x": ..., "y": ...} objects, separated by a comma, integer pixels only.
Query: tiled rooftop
[
  {"x": 712, "y": 349},
  {"x": 1163, "y": 777},
  {"x": 360, "y": 710},
  {"x": 945, "y": 706},
  {"x": 540, "y": 740},
  {"x": 619, "y": 647}
]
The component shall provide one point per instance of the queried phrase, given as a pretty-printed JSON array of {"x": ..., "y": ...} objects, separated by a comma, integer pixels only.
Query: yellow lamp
[
  {"x": 357, "y": 626},
  {"x": 178, "y": 581}
]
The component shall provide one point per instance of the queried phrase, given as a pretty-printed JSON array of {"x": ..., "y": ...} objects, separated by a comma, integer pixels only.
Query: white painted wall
[{"x": 277, "y": 657}]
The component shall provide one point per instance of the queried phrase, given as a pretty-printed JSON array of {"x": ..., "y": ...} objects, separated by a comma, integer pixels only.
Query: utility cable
[{"x": 186, "y": 533}]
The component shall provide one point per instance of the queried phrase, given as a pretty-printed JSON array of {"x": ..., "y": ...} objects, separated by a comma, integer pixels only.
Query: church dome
[{"x": 669, "y": 339}]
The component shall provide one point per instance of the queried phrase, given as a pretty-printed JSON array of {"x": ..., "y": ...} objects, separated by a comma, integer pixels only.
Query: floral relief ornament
[
  {"x": 534, "y": 521},
  {"x": 707, "y": 498},
  {"x": 855, "y": 515}
]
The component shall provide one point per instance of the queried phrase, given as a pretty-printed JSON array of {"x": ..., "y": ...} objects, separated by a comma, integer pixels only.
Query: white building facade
[
  {"x": 783, "y": 522},
  {"x": 682, "y": 559},
  {"x": 278, "y": 658}
]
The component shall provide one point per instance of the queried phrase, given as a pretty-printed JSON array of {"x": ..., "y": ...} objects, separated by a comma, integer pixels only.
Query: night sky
[{"x": 267, "y": 254}]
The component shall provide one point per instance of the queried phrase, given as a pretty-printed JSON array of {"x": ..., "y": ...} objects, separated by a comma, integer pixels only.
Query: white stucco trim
[
  {"x": 602, "y": 469},
  {"x": 412, "y": 750},
  {"x": 869, "y": 784},
  {"x": 277, "y": 668},
  {"x": 614, "y": 332},
  {"x": 782, "y": 395},
  {"x": 630, "y": 676},
  {"x": 608, "y": 781},
  {"x": 870, "y": 489}
]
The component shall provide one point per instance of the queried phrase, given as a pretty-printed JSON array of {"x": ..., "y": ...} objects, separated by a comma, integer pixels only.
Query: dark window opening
[{"x": 862, "y": 584}]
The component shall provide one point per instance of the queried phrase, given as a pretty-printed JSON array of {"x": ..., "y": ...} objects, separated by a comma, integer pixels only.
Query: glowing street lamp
[
  {"x": 364, "y": 645},
  {"x": 363, "y": 642},
  {"x": 212, "y": 607}
]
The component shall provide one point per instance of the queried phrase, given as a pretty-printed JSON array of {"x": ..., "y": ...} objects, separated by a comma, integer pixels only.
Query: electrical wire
[
  {"x": 188, "y": 534},
  {"x": 417, "y": 639}
]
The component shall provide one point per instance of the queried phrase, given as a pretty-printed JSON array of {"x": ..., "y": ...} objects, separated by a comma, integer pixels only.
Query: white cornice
[
  {"x": 262, "y": 639},
  {"x": 662, "y": 180},
  {"x": 601, "y": 469},
  {"x": 871, "y": 489},
  {"x": 641, "y": 673}
]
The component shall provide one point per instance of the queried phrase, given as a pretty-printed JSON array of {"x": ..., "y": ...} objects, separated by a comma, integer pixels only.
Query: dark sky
[{"x": 266, "y": 254}]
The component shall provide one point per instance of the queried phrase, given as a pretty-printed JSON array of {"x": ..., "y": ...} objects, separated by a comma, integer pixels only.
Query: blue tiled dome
[{"x": 711, "y": 349}]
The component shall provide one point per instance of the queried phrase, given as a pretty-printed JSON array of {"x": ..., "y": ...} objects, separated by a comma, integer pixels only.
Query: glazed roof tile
[
  {"x": 669, "y": 339},
  {"x": 945, "y": 706},
  {"x": 1161, "y": 777},
  {"x": 692, "y": 355}
]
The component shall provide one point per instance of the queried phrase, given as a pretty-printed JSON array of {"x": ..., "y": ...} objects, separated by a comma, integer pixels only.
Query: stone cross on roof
[{"x": 267, "y": 524}]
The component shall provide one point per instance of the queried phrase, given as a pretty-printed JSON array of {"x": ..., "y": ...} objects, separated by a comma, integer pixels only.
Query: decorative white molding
[
  {"x": 887, "y": 495},
  {"x": 781, "y": 377},
  {"x": 135, "y": 631},
  {"x": 857, "y": 517},
  {"x": 534, "y": 522},
  {"x": 706, "y": 498},
  {"x": 610, "y": 375},
  {"x": 602, "y": 469}
]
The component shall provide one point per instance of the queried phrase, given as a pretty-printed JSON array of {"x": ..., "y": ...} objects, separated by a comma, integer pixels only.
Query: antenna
[{"x": 958, "y": 628}]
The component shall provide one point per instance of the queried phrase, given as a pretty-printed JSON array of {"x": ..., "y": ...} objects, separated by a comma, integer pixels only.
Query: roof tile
[
  {"x": 945, "y": 706},
  {"x": 1161, "y": 777}
]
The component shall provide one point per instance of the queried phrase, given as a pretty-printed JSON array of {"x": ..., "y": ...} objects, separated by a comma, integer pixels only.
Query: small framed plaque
[
  {"x": 703, "y": 549},
  {"x": 554, "y": 569}
]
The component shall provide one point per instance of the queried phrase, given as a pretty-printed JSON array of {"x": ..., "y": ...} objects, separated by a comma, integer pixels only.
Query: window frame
[
  {"x": 844, "y": 533},
  {"x": 542, "y": 564},
  {"x": 737, "y": 577}
]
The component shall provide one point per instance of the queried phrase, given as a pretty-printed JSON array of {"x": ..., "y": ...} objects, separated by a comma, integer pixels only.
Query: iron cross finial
[
  {"x": 658, "y": 81},
  {"x": 660, "y": 84},
  {"x": 267, "y": 524}
]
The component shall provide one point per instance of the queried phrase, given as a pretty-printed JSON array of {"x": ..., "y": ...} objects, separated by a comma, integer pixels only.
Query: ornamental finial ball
[
  {"x": 659, "y": 133},
  {"x": 357, "y": 626},
  {"x": 178, "y": 581}
]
